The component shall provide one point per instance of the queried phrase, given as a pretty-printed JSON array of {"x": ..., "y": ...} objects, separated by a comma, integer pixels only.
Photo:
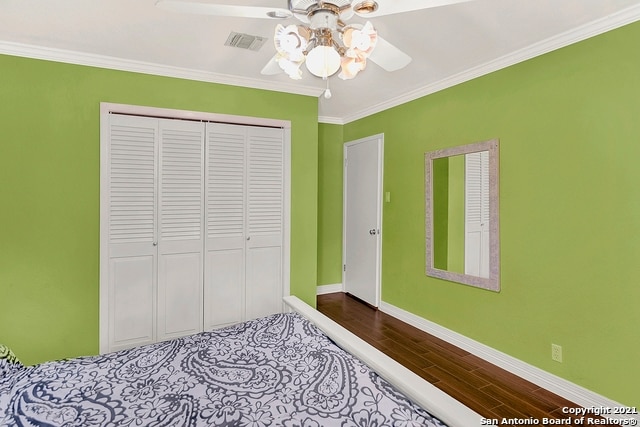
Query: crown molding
[
  {"x": 113, "y": 63},
  {"x": 331, "y": 120},
  {"x": 594, "y": 28},
  {"x": 600, "y": 26}
]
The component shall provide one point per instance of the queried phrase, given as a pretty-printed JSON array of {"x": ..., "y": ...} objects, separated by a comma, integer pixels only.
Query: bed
[{"x": 291, "y": 369}]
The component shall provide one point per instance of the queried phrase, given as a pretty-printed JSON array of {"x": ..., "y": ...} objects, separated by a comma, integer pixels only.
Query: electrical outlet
[{"x": 556, "y": 352}]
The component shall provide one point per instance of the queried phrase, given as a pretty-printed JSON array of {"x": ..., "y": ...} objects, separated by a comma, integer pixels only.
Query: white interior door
[{"x": 363, "y": 218}]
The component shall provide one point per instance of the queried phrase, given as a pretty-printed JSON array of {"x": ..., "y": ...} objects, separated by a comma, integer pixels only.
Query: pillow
[{"x": 9, "y": 363}]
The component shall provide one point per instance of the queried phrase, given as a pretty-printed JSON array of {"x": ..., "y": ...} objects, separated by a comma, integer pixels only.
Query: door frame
[
  {"x": 107, "y": 108},
  {"x": 380, "y": 181}
]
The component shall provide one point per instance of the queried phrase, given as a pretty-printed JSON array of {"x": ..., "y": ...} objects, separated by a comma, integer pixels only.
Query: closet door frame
[{"x": 111, "y": 108}]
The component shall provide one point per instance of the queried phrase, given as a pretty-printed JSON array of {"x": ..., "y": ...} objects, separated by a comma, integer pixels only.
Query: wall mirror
[{"x": 462, "y": 227}]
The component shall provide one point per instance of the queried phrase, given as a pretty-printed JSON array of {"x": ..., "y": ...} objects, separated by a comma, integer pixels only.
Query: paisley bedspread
[{"x": 276, "y": 371}]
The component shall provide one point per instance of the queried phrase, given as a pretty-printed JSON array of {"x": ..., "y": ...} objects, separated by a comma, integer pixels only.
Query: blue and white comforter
[{"x": 275, "y": 371}]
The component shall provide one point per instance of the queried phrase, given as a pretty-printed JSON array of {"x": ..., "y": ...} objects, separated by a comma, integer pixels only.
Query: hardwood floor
[{"x": 487, "y": 389}]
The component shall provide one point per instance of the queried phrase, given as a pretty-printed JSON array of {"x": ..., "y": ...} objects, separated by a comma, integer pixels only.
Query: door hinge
[{"x": 344, "y": 267}]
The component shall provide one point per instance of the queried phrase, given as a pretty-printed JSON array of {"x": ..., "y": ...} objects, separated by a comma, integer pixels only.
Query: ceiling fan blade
[
  {"x": 388, "y": 56},
  {"x": 390, "y": 7},
  {"x": 271, "y": 68},
  {"x": 201, "y": 8}
]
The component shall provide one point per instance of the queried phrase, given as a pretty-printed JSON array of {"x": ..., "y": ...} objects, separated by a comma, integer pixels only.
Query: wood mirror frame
[{"x": 492, "y": 282}]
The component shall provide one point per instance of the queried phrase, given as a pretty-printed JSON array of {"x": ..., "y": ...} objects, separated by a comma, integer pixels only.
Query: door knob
[{"x": 372, "y": 231}]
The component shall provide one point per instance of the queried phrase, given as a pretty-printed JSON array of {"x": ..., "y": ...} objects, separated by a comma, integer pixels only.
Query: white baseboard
[
  {"x": 570, "y": 391},
  {"x": 329, "y": 289}
]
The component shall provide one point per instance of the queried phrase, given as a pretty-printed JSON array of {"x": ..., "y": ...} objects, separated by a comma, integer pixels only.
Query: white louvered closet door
[
  {"x": 477, "y": 214},
  {"x": 132, "y": 259},
  {"x": 225, "y": 232},
  {"x": 264, "y": 222},
  {"x": 180, "y": 228},
  {"x": 194, "y": 227},
  {"x": 244, "y": 242}
]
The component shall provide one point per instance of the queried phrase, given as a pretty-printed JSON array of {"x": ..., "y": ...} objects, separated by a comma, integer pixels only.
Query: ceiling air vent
[{"x": 245, "y": 41}]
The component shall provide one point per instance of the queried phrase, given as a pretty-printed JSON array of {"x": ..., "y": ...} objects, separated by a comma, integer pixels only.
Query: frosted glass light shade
[
  {"x": 351, "y": 67},
  {"x": 323, "y": 61}
]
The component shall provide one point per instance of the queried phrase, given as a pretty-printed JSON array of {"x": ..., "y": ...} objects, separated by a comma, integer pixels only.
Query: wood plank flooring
[{"x": 487, "y": 389}]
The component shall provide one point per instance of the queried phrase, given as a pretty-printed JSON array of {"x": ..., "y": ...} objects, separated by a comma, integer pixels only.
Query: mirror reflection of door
[
  {"x": 461, "y": 214},
  {"x": 476, "y": 210}
]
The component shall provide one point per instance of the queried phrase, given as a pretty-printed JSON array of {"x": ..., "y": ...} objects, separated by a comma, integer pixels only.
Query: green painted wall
[
  {"x": 49, "y": 190},
  {"x": 330, "y": 154},
  {"x": 569, "y": 130},
  {"x": 440, "y": 172},
  {"x": 456, "y": 214},
  {"x": 448, "y": 213}
]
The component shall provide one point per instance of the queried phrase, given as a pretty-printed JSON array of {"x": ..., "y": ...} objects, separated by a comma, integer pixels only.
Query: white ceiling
[{"x": 449, "y": 44}]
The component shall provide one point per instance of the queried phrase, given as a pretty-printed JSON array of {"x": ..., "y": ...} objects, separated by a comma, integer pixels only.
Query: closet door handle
[
  {"x": 248, "y": 237},
  {"x": 155, "y": 243}
]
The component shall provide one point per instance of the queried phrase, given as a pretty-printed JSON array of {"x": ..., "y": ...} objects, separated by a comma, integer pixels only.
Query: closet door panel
[
  {"x": 132, "y": 299},
  {"x": 131, "y": 183},
  {"x": 131, "y": 204},
  {"x": 266, "y": 183},
  {"x": 180, "y": 220},
  {"x": 180, "y": 295},
  {"x": 265, "y": 221},
  {"x": 264, "y": 281},
  {"x": 225, "y": 230},
  {"x": 225, "y": 184},
  {"x": 224, "y": 297}
]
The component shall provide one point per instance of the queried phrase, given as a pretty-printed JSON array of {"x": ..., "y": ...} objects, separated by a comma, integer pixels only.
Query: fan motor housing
[
  {"x": 305, "y": 10},
  {"x": 323, "y": 19},
  {"x": 312, "y": 4}
]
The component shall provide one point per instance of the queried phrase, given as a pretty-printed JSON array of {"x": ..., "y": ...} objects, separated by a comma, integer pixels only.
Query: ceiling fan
[{"x": 323, "y": 40}]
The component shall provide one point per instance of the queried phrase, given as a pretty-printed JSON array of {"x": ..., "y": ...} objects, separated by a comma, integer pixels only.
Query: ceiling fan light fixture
[
  {"x": 323, "y": 61},
  {"x": 326, "y": 45},
  {"x": 324, "y": 19},
  {"x": 360, "y": 40},
  {"x": 292, "y": 69},
  {"x": 291, "y": 41},
  {"x": 350, "y": 67},
  {"x": 324, "y": 41},
  {"x": 365, "y": 7}
]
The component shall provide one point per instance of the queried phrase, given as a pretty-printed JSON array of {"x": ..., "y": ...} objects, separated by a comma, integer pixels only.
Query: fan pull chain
[{"x": 327, "y": 91}]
